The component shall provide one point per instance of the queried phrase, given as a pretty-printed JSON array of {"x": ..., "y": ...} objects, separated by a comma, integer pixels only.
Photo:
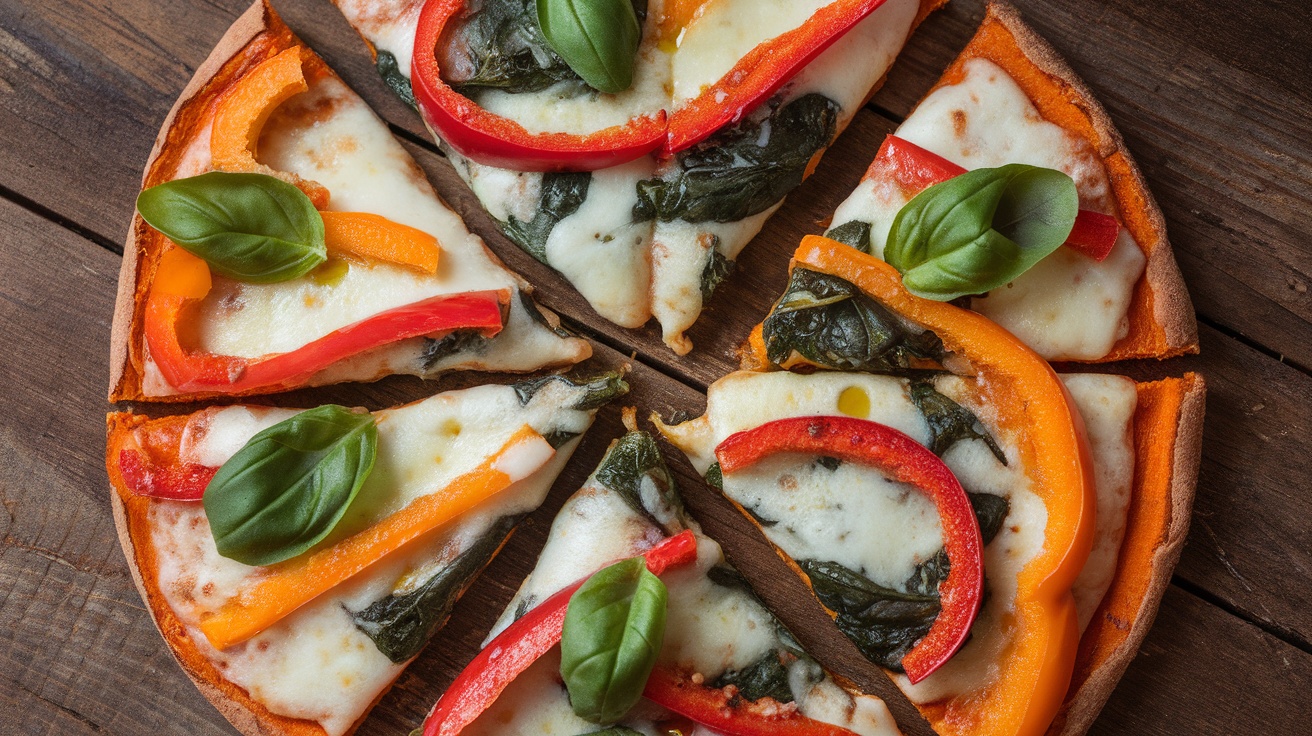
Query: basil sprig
[
  {"x": 248, "y": 227},
  {"x": 614, "y": 628},
  {"x": 980, "y": 230},
  {"x": 287, "y": 488},
  {"x": 598, "y": 39}
]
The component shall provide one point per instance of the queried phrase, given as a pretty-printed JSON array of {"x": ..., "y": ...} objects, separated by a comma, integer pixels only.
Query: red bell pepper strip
[
  {"x": 499, "y": 141},
  {"x": 906, "y": 461},
  {"x": 181, "y": 482},
  {"x": 728, "y": 714},
  {"x": 182, "y": 278},
  {"x": 761, "y": 73},
  {"x": 916, "y": 169},
  {"x": 523, "y": 642}
]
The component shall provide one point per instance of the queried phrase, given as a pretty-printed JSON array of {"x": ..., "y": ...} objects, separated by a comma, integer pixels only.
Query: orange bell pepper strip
[
  {"x": 292, "y": 584},
  {"x": 523, "y": 642},
  {"x": 1031, "y": 405},
  {"x": 904, "y": 460},
  {"x": 245, "y": 108},
  {"x": 915, "y": 169},
  {"x": 373, "y": 237},
  {"x": 181, "y": 279}
]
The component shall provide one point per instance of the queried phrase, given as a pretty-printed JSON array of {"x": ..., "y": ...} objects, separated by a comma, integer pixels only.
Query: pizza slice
[
  {"x": 641, "y": 197},
  {"x": 296, "y": 561},
  {"x": 722, "y": 662},
  {"x": 1113, "y": 291},
  {"x": 285, "y": 238},
  {"x": 996, "y": 534}
]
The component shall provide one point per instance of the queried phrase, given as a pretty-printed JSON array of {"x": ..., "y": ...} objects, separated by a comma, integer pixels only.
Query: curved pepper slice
[
  {"x": 498, "y": 141},
  {"x": 1029, "y": 403},
  {"x": 523, "y": 642},
  {"x": 915, "y": 169},
  {"x": 245, "y": 108},
  {"x": 181, "y": 278},
  {"x": 903, "y": 460},
  {"x": 728, "y": 714},
  {"x": 376, "y": 238},
  {"x": 180, "y": 482}
]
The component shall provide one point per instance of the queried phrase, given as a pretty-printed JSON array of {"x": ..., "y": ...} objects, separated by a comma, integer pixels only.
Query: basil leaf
[
  {"x": 979, "y": 231},
  {"x": 598, "y": 39},
  {"x": 248, "y": 227},
  {"x": 614, "y": 628},
  {"x": 287, "y": 488}
]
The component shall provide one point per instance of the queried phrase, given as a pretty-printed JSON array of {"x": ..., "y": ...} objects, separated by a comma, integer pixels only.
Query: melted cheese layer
[
  {"x": 1067, "y": 307},
  {"x": 315, "y": 664}
]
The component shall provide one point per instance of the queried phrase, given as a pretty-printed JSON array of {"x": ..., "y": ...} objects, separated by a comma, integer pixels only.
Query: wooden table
[{"x": 1215, "y": 102}]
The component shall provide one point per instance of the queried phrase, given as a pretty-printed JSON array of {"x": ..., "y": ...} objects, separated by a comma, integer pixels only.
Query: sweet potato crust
[{"x": 1162, "y": 323}]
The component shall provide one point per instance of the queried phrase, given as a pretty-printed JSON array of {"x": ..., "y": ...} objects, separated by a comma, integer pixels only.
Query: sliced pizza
[
  {"x": 285, "y": 238},
  {"x": 641, "y": 197},
  {"x": 1113, "y": 290},
  {"x": 971, "y": 520},
  {"x": 296, "y": 561},
  {"x": 719, "y": 662}
]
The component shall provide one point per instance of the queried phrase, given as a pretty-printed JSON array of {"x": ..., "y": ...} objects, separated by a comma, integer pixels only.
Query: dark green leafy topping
[
  {"x": 500, "y": 45},
  {"x": 717, "y": 269},
  {"x": 715, "y": 476},
  {"x": 249, "y": 227},
  {"x": 765, "y": 678},
  {"x": 729, "y": 577},
  {"x": 597, "y": 391},
  {"x": 633, "y": 458},
  {"x": 742, "y": 170},
  {"x": 598, "y": 39},
  {"x": 950, "y": 422},
  {"x": 400, "y": 625},
  {"x": 613, "y": 631},
  {"x": 830, "y": 322},
  {"x": 562, "y": 195},
  {"x": 978, "y": 231},
  {"x": 390, "y": 71},
  {"x": 854, "y": 233},
  {"x": 613, "y": 731},
  {"x": 456, "y": 341},
  {"x": 829, "y": 463},
  {"x": 289, "y": 486},
  {"x": 535, "y": 313},
  {"x": 990, "y": 511},
  {"x": 884, "y": 623}
]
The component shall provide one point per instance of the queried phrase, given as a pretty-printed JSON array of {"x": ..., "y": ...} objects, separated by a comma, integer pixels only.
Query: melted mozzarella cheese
[
  {"x": 1107, "y": 404},
  {"x": 330, "y": 136},
  {"x": 1066, "y": 307},
  {"x": 316, "y": 664}
]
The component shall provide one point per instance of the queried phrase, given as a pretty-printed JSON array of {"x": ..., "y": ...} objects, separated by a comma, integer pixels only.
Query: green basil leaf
[
  {"x": 979, "y": 231},
  {"x": 248, "y": 227},
  {"x": 614, "y": 628},
  {"x": 287, "y": 488},
  {"x": 598, "y": 39}
]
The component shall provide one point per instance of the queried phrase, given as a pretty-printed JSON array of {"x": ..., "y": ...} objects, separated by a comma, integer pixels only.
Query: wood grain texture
[{"x": 1213, "y": 101}]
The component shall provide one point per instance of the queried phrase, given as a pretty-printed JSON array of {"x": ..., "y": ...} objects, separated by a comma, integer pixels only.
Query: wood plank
[{"x": 1213, "y": 100}]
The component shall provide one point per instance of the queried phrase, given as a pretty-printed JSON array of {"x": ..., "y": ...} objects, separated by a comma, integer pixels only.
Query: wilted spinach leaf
[
  {"x": 950, "y": 422},
  {"x": 390, "y": 71},
  {"x": 456, "y": 341},
  {"x": 400, "y": 625},
  {"x": 884, "y": 623},
  {"x": 831, "y": 323},
  {"x": 631, "y": 459},
  {"x": 765, "y": 678},
  {"x": 561, "y": 196},
  {"x": 597, "y": 391},
  {"x": 744, "y": 169},
  {"x": 853, "y": 232},
  {"x": 717, "y": 269},
  {"x": 990, "y": 511}
]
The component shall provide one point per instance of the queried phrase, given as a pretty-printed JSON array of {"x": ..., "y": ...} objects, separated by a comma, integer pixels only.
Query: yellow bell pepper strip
[
  {"x": 245, "y": 108},
  {"x": 915, "y": 169},
  {"x": 292, "y": 584},
  {"x": 373, "y": 237},
  {"x": 523, "y": 642},
  {"x": 182, "y": 278},
  {"x": 904, "y": 460},
  {"x": 1032, "y": 408}
]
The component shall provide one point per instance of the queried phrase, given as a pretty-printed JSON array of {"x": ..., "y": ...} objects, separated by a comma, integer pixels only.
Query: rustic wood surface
[{"x": 1214, "y": 99}]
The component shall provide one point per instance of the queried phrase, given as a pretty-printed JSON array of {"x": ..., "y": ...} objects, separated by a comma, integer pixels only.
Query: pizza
[
  {"x": 725, "y": 664},
  {"x": 347, "y": 266},
  {"x": 294, "y": 604},
  {"x": 997, "y": 533},
  {"x": 641, "y": 198},
  {"x": 1010, "y": 98}
]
